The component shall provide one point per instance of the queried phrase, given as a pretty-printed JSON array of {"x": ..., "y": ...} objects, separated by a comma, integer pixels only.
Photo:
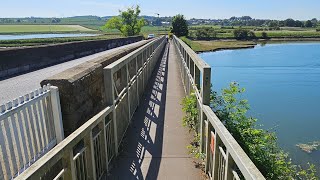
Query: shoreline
[
  {"x": 259, "y": 41},
  {"x": 227, "y": 48}
]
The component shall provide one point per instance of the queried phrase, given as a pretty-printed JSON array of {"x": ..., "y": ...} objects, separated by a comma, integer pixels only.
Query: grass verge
[{"x": 204, "y": 46}]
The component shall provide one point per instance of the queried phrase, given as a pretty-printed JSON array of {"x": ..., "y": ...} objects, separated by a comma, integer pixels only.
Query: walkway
[{"x": 155, "y": 144}]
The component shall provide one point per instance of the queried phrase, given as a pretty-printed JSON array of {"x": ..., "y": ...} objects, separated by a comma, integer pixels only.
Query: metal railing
[
  {"x": 30, "y": 127},
  {"x": 88, "y": 151},
  {"x": 225, "y": 159}
]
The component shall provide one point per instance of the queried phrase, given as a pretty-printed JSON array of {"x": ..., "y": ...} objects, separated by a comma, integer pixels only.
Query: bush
[
  {"x": 264, "y": 35},
  {"x": 205, "y": 33},
  {"x": 243, "y": 34},
  {"x": 318, "y": 29},
  {"x": 260, "y": 145}
]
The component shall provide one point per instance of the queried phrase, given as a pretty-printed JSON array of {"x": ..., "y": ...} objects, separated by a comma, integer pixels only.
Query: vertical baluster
[
  {"x": 47, "y": 121},
  {"x": 29, "y": 129},
  {"x": 88, "y": 141},
  {"x": 38, "y": 113},
  {"x": 43, "y": 120},
  {"x": 4, "y": 128},
  {"x": 68, "y": 163}
]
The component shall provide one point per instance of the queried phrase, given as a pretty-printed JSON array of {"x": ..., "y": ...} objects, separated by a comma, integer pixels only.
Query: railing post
[
  {"x": 205, "y": 95},
  {"x": 228, "y": 168},
  {"x": 208, "y": 137},
  {"x": 127, "y": 79},
  {"x": 91, "y": 165},
  {"x": 68, "y": 165},
  {"x": 56, "y": 111},
  {"x": 137, "y": 78},
  {"x": 215, "y": 156},
  {"x": 109, "y": 89},
  {"x": 102, "y": 128}
]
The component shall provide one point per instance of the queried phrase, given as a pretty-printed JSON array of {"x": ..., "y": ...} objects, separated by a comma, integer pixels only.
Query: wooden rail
[
  {"x": 225, "y": 159},
  {"x": 88, "y": 151}
]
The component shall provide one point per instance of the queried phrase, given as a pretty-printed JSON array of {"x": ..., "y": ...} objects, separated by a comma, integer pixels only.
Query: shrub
[
  {"x": 205, "y": 33},
  {"x": 260, "y": 145},
  {"x": 264, "y": 35},
  {"x": 243, "y": 34}
]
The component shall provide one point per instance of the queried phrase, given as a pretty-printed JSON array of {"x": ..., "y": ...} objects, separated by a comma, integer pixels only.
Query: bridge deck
[{"x": 155, "y": 144}]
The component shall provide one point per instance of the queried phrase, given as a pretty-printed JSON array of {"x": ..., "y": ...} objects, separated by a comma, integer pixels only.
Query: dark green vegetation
[
  {"x": 249, "y": 32},
  {"x": 179, "y": 26},
  {"x": 128, "y": 22},
  {"x": 260, "y": 145}
]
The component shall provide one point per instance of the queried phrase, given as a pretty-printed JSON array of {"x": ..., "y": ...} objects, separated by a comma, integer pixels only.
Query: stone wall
[
  {"x": 14, "y": 61},
  {"x": 81, "y": 88}
]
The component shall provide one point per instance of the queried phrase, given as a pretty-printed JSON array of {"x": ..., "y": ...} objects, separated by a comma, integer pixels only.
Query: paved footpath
[{"x": 155, "y": 144}]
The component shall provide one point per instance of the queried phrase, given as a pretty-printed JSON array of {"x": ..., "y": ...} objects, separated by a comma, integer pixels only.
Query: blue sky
[{"x": 274, "y": 9}]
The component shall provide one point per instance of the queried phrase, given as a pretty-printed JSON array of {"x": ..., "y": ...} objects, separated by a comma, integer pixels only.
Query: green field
[
  {"x": 15, "y": 29},
  {"x": 202, "y": 46}
]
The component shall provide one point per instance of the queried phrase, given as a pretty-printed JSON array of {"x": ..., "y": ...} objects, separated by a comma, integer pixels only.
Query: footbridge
[{"x": 135, "y": 131}]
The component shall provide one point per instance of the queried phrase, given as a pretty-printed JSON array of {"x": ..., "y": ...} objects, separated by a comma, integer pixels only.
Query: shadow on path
[{"x": 142, "y": 147}]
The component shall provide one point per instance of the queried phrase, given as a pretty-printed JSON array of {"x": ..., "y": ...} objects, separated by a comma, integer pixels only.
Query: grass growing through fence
[
  {"x": 260, "y": 145},
  {"x": 190, "y": 120}
]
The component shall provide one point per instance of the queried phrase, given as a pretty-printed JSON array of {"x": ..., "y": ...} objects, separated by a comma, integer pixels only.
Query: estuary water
[
  {"x": 33, "y": 36},
  {"x": 282, "y": 83}
]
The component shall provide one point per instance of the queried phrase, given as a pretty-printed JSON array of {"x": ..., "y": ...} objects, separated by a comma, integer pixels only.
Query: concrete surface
[
  {"x": 155, "y": 144},
  {"x": 15, "y": 61},
  {"x": 20, "y": 85}
]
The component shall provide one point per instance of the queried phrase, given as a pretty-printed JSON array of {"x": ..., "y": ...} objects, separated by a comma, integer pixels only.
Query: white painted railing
[
  {"x": 225, "y": 159},
  {"x": 88, "y": 151},
  {"x": 30, "y": 126}
]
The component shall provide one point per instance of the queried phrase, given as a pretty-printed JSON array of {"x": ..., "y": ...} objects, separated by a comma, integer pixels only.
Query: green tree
[
  {"x": 128, "y": 22},
  {"x": 179, "y": 26},
  {"x": 308, "y": 24}
]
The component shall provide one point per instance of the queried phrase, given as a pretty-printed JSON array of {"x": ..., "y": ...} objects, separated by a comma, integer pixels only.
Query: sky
[{"x": 213, "y": 9}]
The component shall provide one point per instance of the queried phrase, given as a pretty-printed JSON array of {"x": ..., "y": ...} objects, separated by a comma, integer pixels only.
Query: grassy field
[
  {"x": 107, "y": 33},
  {"x": 202, "y": 46},
  {"x": 18, "y": 29}
]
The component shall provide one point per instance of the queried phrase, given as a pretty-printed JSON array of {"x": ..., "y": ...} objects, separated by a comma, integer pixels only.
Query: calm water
[
  {"x": 33, "y": 36},
  {"x": 282, "y": 84}
]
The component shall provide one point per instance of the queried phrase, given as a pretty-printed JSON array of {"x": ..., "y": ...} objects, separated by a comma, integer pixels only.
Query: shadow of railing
[{"x": 142, "y": 146}]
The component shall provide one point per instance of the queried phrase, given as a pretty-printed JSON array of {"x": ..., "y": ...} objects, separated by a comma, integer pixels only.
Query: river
[
  {"x": 282, "y": 83},
  {"x": 33, "y": 36}
]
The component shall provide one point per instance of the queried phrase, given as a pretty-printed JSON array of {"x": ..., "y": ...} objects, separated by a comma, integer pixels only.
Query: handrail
[
  {"x": 88, "y": 151},
  {"x": 225, "y": 159}
]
